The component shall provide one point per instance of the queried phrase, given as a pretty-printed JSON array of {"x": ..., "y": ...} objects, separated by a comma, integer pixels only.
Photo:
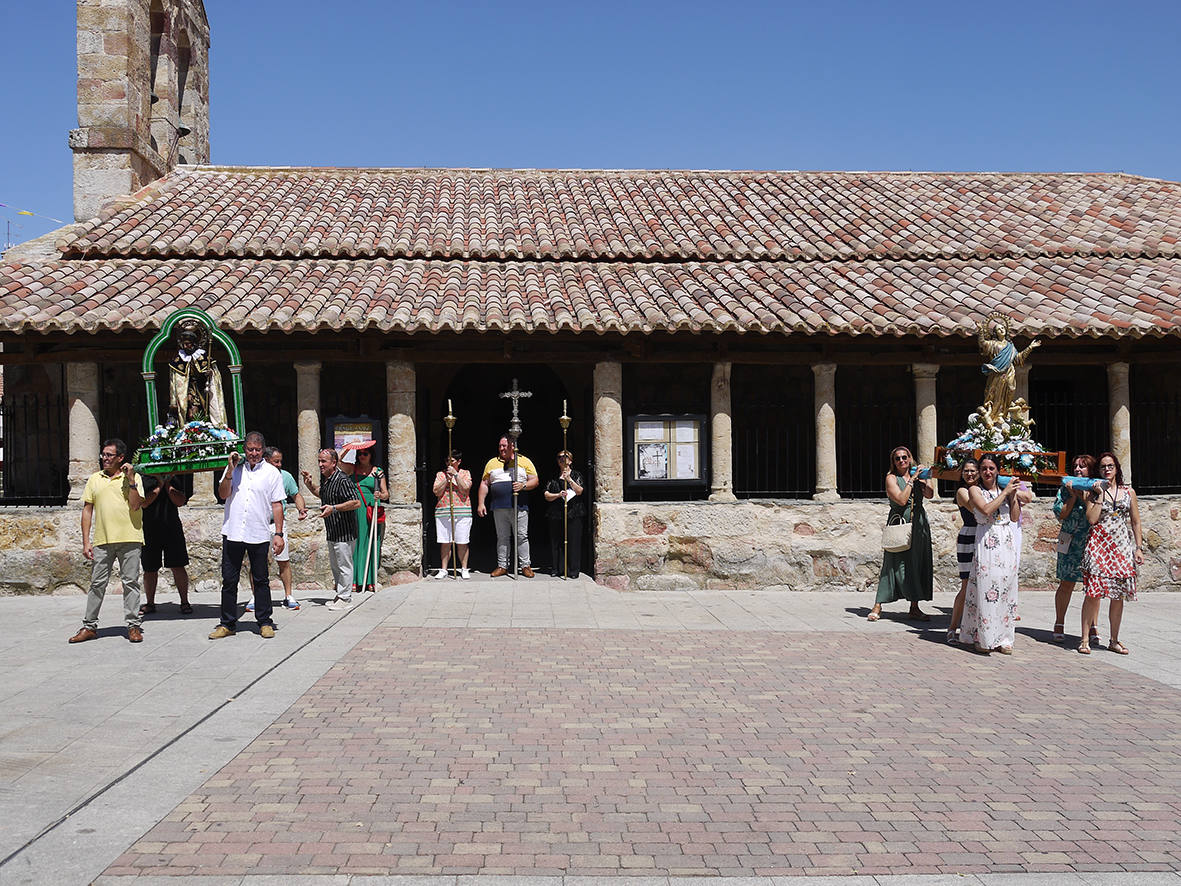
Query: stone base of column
[
  {"x": 723, "y": 495},
  {"x": 827, "y": 495},
  {"x": 203, "y": 489}
]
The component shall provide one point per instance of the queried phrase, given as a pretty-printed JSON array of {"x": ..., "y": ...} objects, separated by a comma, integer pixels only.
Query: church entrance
[{"x": 481, "y": 417}]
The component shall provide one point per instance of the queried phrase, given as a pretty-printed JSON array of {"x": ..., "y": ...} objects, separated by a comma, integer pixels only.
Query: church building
[{"x": 738, "y": 350}]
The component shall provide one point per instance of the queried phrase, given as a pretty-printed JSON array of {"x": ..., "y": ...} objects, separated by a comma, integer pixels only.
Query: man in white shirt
[{"x": 253, "y": 519}]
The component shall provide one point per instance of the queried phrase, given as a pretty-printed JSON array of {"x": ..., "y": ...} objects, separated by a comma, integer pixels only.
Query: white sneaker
[
  {"x": 464, "y": 574},
  {"x": 339, "y": 605},
  {"x": 442, "y": 573}
]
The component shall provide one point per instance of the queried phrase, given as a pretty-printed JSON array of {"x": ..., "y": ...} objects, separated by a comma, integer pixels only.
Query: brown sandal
[
  {"x": 1084, "y": 648},
  {"x": 1118, "y": 648}
]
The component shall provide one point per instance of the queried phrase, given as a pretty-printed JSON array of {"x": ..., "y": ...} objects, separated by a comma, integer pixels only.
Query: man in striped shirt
[{"x": 338, "y": 498}]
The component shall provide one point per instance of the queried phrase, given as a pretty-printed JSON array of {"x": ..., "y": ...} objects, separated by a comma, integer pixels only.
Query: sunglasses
[{"x": 902, "y": 458}]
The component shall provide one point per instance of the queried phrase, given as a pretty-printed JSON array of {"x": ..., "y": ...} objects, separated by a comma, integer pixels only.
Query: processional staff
[
  {"x": 449, "y": 421},
  {"x": 514, "y": 432},
  {"x": 564, "y": 421}
]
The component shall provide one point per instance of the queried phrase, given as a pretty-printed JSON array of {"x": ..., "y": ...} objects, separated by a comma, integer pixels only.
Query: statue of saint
[
  {"x": 194, "y": 381},
  {"x": 1001, "y": 369}
]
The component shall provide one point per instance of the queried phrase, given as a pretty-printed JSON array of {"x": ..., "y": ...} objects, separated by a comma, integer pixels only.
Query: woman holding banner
[{"x": 1071, "y": 511}]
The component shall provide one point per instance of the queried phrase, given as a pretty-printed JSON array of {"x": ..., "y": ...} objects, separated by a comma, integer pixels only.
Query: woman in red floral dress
[{"x": 1114, "y": 551}]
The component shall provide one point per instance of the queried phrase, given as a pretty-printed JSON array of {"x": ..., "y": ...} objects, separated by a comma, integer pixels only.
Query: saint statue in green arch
[{"x": 195, "y": 392}]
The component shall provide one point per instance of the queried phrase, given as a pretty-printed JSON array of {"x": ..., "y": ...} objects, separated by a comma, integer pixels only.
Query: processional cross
[
  {"x": 514, "y": 431},
  {"x": 514, "y": 428}
]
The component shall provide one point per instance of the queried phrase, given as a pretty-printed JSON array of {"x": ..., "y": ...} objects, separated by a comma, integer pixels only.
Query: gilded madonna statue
[
  {"x": 195, "y": 392},
  {"x": 1002, "y": 358}
]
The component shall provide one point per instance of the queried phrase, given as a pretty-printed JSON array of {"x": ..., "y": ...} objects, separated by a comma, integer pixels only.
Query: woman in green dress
[
  {"x": 372, "y": 487},
  {"x": 908, "y": 574}
]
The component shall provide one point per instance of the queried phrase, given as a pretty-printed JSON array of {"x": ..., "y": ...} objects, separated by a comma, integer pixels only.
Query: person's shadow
[{"x": 932, "y": 631}]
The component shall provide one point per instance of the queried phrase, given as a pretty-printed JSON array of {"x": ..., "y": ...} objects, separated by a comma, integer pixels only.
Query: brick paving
[{"x": 762, "y": 753}]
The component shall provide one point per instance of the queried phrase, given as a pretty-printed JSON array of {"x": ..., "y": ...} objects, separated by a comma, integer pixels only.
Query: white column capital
[
  {"x": 1117, "y": 371},
  {"x": 924, "y": 370},
  {"x": 825, "y": 371}
]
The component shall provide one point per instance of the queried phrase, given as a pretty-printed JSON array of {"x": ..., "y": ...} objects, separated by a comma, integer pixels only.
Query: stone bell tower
[{"x": 143, "y": 95}]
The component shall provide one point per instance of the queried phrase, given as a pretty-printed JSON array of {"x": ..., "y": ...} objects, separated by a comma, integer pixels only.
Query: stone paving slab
[
  {"x": 116, "y": 783},
  {"x": 567, "y": 752},
  {"x": 1151, "y": 879},
  {"x": 82, "y": 721}
]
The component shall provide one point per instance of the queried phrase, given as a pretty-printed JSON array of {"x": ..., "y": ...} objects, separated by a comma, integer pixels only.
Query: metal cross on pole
[{"x": 514, "y": 431}]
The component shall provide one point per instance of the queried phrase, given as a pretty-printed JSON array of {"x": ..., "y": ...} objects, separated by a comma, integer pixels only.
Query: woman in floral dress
[
  {"x": 1072, "y": 513},
  {"x": 990, "y": 604},
  {"x": 1114, "y": 552}
]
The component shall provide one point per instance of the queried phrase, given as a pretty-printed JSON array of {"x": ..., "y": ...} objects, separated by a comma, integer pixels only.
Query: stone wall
[
  {"x": 819, "y": 546},
  {"x": 41, "y": 550}
]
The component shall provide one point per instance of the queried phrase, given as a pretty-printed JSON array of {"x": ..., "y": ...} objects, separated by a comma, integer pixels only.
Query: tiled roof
[
  {"x": 214, "y": 212},
  {"x": 1095, "y": 296}
]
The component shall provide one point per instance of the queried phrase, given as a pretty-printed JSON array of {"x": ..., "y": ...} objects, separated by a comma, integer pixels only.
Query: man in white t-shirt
[{"x": 252, "y": 522}]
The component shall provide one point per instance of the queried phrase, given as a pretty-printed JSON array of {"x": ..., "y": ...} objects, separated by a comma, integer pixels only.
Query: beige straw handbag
[{"x": 896, "y": 536}]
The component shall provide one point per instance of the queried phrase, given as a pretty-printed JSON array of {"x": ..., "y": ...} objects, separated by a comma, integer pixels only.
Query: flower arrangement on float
[
  {"x": 193, "y": 446},
  {"x": 1010, "y": 440}
]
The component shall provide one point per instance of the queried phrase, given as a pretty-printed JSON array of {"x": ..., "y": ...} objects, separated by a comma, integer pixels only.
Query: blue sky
[{"x": 1032, "y": 86}]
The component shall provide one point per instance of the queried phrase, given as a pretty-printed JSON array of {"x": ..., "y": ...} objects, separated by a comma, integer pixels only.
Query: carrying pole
[
  {"x": 514, "y": 432},
  {"x": 449, "y": 421},
  {"x": 564, "y": 421}
]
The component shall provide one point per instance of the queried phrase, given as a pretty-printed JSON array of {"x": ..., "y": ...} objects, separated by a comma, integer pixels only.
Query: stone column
[
  {"x": 82, "y": 387},
  {"x": 608, "y": 432},
  {"x": 1022, "y": 382},
  {"x": 401, "y": 443},
  {"x": 1119, "y": 410},
  {"x": 721, "y": 482},
  {"x": 825, "y": 400},
  {"x": 307, "y": 407},
  {"x": 925, "y": 413}
]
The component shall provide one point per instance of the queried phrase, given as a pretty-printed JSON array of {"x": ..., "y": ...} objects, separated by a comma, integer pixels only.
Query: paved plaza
[{"x": 563, "y": 732}]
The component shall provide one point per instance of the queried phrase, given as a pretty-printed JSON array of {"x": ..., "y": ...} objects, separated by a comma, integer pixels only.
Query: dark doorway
[{"x": 481, "y": 417}]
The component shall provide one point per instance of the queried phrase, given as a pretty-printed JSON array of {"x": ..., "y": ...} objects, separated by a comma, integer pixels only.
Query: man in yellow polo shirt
[
  {"x": 113, "y": 504},
  {"x": 496, "y": 494}
]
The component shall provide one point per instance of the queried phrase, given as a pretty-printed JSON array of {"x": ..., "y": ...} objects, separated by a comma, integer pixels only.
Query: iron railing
[
  {"x": 1073, "y": 416},
  {"x": 34, "y": 440},
  {"x": 1156, "y": 428},
  {"x": 874, "y": 412}
]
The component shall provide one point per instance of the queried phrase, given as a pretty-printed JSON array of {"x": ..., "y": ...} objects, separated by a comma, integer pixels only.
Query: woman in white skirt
[
  {"x": 453, "y": 486},
  {"x": 990, "y": 602}
]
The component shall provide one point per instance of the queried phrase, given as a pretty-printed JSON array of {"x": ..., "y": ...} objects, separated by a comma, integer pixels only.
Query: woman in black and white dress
[{"x": 965, "y": 543}]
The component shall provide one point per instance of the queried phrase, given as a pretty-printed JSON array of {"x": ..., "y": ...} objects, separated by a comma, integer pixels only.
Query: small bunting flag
[{"x": 34, "y": 214}]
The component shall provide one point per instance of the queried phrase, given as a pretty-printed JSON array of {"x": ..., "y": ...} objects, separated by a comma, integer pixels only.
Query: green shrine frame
[{"x": 179, "y": 463}]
